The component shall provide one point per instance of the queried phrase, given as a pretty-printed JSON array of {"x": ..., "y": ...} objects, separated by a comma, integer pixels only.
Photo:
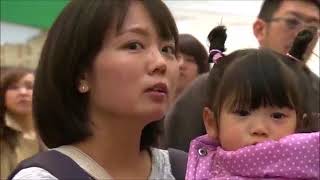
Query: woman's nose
[
  {"x": 24, "y": 90},
  {"x": 181, "y": 64},
  {"x": 159, "y": 65}
]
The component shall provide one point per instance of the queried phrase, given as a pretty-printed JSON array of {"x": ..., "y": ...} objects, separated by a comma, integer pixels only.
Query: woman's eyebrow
[{"x": 136, "y": 30}]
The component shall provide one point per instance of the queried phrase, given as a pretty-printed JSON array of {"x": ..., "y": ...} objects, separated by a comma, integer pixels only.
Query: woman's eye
[
  {"x": 189, "y": 59},
  {"x": 277, "y": 115},
  {"x": 29, "y": 86},
  {"x": 13, "y": 87},
  {"x": 169, "y": 50},
  {"x": 242, "y": 112},
  {"x": 134, "y": 46}
]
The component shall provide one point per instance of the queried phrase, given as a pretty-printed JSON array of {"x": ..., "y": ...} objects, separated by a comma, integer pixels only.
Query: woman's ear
[{"x": 210, "y": 123}]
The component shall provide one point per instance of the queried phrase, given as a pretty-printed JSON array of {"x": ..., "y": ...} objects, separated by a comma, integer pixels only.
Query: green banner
[{"x": 36, "y": 13}]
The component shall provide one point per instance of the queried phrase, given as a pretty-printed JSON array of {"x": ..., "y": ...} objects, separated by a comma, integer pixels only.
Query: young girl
[{"x": 254, "y": 111}]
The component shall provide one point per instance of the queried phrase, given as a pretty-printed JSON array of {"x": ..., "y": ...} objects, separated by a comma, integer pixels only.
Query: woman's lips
[
  {"x": 24, "y": 101},
  {"x": 158, "y": 92}
]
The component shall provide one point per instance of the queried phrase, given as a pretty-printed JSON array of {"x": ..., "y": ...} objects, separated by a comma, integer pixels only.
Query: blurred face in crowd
[
  {"x": 18, "y": 97},
  {"x": 135, "y": 72},
  {"x": 188, "y": 71},
  {"x": 291, "y": 17}
]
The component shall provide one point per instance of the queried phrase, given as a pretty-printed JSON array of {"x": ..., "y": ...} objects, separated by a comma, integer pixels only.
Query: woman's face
[
  {"x": 134, "y": 74},
  {"x": 188, "y": 71},
  {"x": 18, "y": 97}
]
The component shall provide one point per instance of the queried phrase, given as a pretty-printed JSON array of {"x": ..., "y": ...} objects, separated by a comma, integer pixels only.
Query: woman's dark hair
[
  {"x": 189, "y": 45},
  {"x": 4, "y": 69},
  {"x": 9, "y": 77},
  {"x": 73, "y": 41},
  {"x": 248, "y": 79}
]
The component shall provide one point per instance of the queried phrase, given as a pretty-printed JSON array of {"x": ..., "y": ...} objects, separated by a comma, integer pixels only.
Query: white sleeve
[{"x": 34, "y": 173}]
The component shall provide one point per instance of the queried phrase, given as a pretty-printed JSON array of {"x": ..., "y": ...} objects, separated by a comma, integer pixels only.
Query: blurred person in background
[
  {"x": 182, "y": 122},
  {"x": 3, "y": 69},
  {"x": 193, "y": 61},
  {"x": 18, "y": 138},
  {"x": 280, "y": 21}
]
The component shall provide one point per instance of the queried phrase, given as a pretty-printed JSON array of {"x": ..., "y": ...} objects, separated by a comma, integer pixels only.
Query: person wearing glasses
[
  {"x": 276, "y": 27},
  {"x": 279, "y": 22}
]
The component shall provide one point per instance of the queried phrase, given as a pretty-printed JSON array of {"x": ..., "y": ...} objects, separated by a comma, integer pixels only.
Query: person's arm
[{"x": 294, "y": 156}]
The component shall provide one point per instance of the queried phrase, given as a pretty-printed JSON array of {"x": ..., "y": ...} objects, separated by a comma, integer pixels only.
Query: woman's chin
[{"x": 156, "y": 115}]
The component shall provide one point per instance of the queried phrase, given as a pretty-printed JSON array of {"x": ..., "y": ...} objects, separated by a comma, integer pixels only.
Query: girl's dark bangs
[{"x": 266, "y": 84}]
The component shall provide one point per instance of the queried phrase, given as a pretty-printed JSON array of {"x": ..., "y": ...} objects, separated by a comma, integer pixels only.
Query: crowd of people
[{"x": 119, "y": 94}]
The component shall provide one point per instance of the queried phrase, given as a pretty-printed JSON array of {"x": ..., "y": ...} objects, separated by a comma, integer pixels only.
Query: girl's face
[
  {"x": 188, "y": 70},
  {"x": 134, "y": 74},
  {"x": 18, "y": 97},
  {"x": 243, "y": 128}
]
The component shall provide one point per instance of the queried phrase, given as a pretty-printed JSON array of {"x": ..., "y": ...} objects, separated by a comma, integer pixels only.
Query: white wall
[{"x": 14, "y": 33}]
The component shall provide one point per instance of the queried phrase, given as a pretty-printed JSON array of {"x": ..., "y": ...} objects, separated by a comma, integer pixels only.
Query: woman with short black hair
[{"x": 107, "y": 72}]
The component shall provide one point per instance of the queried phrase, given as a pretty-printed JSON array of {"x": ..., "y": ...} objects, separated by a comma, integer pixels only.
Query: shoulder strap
[
  {"x": 56, "y": 163},
  {"x": 178, "y": 161}
]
